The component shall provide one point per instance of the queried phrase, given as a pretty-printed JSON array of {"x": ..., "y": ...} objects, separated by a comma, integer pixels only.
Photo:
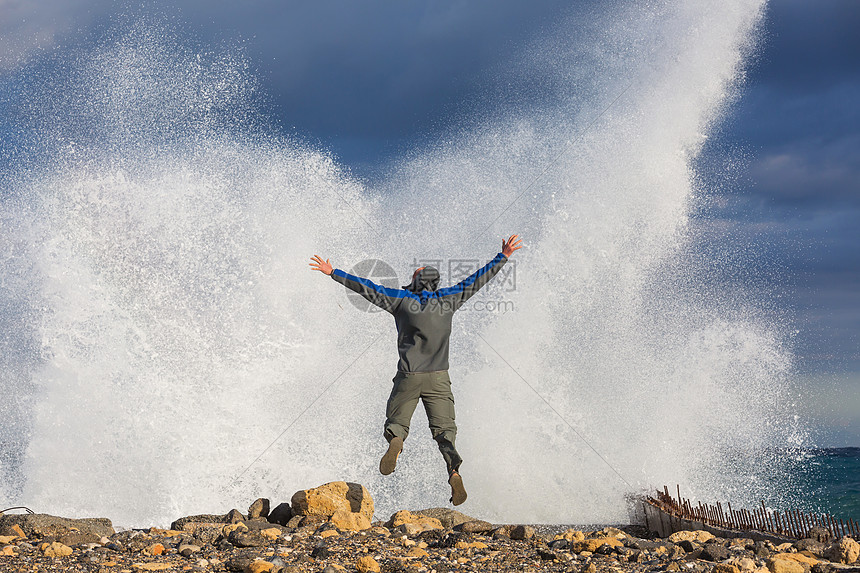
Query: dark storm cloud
[{"x": 810, "y": 45}]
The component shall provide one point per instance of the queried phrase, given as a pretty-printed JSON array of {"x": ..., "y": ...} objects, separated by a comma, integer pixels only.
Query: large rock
[
  {"x": 784, "y": 566},
  {"x": 420, "y": 522},
  {"x": 593, "y": 545},
  {"x": 714, "y": 552},
  {"x": 799, "y": 557},
  {"x": 281, "y": 514},
  {"x": 845, "y": 550},
  {"x": 349, "y": 520},
  {"x": 179, "y": 524},
  {"x": 43, "y": 525},
  {"x": 448, "y": 517},
  {"x": 697, "y": 536},
  {"x": 329, "y": 498},
  {"x": 259, "y": 508}
]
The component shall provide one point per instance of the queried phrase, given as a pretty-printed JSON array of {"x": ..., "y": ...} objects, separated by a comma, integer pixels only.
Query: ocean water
[
  {"x": 832, "y": 478},
  {"x": 166, "y": 350}
]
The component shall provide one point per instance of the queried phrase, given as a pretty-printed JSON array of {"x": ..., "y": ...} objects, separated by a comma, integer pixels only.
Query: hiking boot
[
  {"x": 458, "y": 492},
  {"x": 389, "y": 460}
]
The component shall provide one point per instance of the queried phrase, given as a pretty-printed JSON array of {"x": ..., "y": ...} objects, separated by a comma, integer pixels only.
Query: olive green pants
[{"x": 434, "y": 390}]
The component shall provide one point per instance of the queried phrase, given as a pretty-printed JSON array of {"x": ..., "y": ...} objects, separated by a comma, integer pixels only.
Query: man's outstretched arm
[
  {"x": 464, "y": 290},
  {"x": 383, "y": 297}
]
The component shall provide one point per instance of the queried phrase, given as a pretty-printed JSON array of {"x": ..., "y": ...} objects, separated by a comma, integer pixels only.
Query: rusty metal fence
[{"x": 793, "y": 523}]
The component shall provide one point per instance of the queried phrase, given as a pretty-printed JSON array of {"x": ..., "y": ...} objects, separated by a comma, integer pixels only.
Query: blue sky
[{"x": 371, "y": 80}]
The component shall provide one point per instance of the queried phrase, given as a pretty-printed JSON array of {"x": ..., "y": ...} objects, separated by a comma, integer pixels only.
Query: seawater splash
[{"x": 168, "y": 343}]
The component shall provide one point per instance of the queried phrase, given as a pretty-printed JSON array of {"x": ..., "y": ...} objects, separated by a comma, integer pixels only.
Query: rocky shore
[{"x": 329, "y": 529}]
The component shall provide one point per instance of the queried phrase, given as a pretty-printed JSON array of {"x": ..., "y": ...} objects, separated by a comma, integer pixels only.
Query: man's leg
[
  {"x": 398, "y": 414},
  {"x": 439, "y": 405}
]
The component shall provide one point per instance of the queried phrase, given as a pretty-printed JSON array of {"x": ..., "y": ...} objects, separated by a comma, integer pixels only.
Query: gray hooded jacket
[{"x": 421, "y": 312}]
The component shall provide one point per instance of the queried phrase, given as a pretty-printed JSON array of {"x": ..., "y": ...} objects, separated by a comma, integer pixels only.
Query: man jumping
[{"x": 423, "y": 317}]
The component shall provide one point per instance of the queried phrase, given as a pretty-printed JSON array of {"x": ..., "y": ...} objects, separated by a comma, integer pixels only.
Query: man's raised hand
[
  {"x": 511, "y": 245},
  {"x": 321, "y": 265}
]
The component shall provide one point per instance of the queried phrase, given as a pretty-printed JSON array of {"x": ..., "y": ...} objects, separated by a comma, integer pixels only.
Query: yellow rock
[
  {"x": 18, "y": 531},
  {"x": 698, "y": 536},
  {"x": 331, "y": 497},
  {"x": 164, "y": 532},
  {"x": 407, "y": 517},
  {"x": 743, "y": 563},
  {"x": 725, "y": 568},
  {"x": 231, "y": 527},
  {"x": 56, "y": 549},
  {"x": 260, "y": 566},
  {"x": 367, "y": 564},
  {"x": 155, "y": 549},
  {"x": 673, "y": 566},
  {"x": 472, "y": 545},
  {"x": 152, "y": 566},
  {"x": 572, "y": 535},
  {"x": 7, "y": 539},
  {"x": 799, "y": 557},
  {"x": 272, "y": 533},
  {"x": 591, "y": 545},
  {"x": 9, "y": 551},
  {"x": 417, "y": 552},
  {"x": 784, "y": 546},
  {"x": 845, "y": 550},
  {"x": 329, "y": 533},
  {"x": 350, "y": 521},
  {"x": 784, "y": 566}
]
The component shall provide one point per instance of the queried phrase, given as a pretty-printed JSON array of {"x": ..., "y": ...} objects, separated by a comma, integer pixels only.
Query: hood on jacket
[{"x": 426, "y": 279}]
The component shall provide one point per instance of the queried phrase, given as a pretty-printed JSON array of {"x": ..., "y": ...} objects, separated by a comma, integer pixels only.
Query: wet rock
[
  {"x": 281, "y": 514},
  {"x": 845, "y": 551},
  {"x": 559, "y": 544},
  {"x": 204, "y": 533},
  {"x": 244, "y": 537},
  {"x": 239, "y": 562},
  {"x": 77, "y": 538},
  {"x": 449, "y": 518},
  {"x": 43, "y": 525},
  {"x": 260, "y": 508},
  {"x": 812, "y": 545},
  {"x": 714, "y": 552},
  {"x": 521, "y": 532},
  {"x": 820, "y": 534},
  {"x": 475, "y": 526},
  {"x": 179, "y": 524},
  {"x": 329, "y": 498},
  {"x": 234, "y": 516},
  {"x": 321, "y": 552},
  {"x": 547, "y": 555},
  {"x": 187, "y": 549},
  {"x": 688, "y": 545}
]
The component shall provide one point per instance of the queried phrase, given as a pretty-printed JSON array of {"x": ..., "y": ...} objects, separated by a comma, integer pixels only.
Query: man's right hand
[
  {"x": 321, "y": 265},
  {"x": 511, "y": 245}
]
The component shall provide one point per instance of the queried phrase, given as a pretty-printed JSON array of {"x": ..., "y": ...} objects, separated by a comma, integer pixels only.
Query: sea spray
[{"x": 175, "y": 355}]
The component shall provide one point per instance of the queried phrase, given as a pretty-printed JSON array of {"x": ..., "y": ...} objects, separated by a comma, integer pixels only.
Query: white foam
[{"x": 162, "y": 245}]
